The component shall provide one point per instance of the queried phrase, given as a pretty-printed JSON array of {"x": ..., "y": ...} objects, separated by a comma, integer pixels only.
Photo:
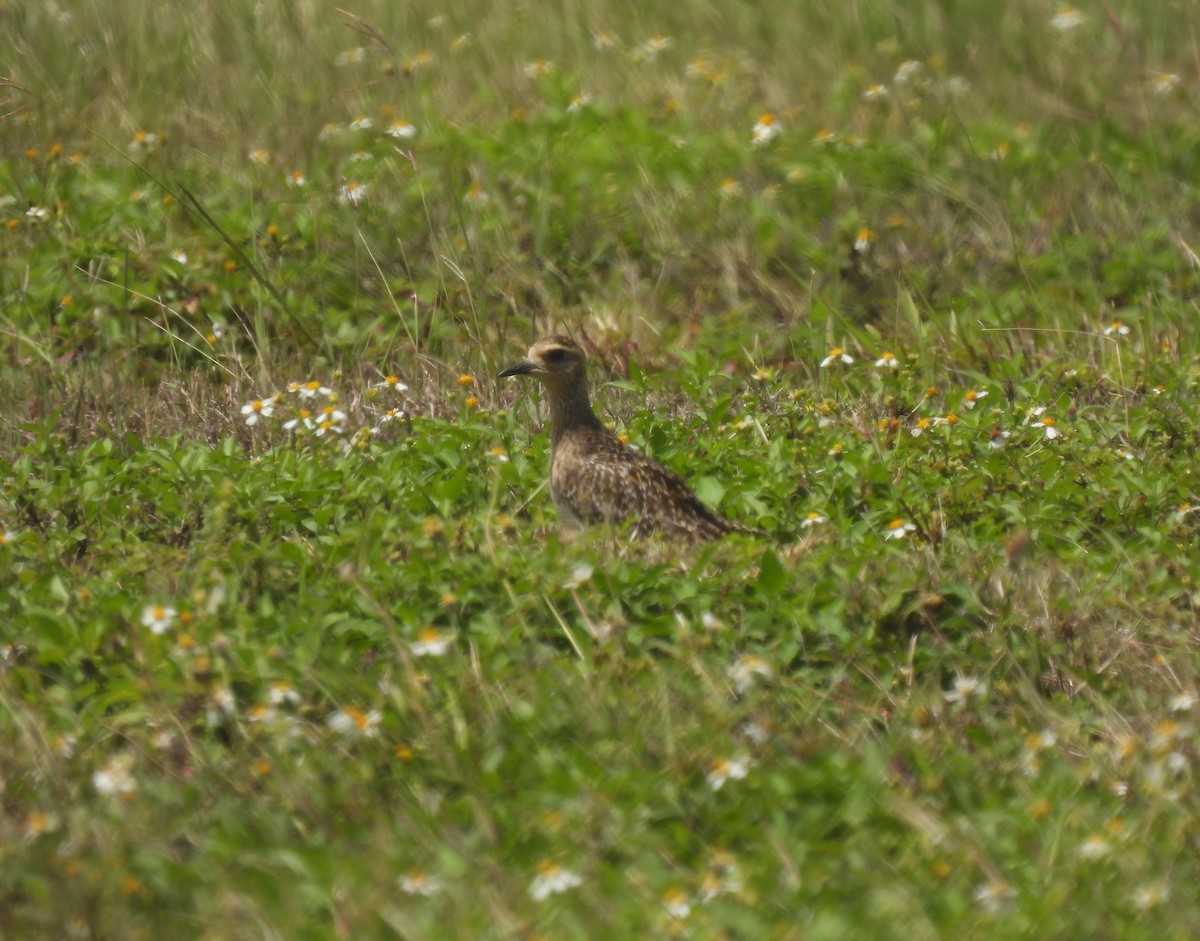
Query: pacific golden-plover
[{"x": 594, "y": 476}]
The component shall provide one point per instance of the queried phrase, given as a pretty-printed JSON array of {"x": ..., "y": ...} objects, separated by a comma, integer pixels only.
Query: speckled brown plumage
[{"x": 594, "y": 476}]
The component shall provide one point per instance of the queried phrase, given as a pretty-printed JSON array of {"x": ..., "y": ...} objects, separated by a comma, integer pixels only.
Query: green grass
[{"x": 379, "y": 654}]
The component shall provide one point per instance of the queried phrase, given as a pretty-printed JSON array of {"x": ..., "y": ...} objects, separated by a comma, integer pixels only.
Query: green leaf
[
  {"x": 771, "y": 576},
  {"x": 710, "y": 490}
]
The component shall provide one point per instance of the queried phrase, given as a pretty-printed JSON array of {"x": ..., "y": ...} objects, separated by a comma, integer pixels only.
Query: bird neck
[{"x": 570, "y": 410}]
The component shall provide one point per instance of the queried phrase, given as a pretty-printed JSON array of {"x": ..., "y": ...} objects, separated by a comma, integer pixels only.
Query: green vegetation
[{"x": 316, "y": 661}]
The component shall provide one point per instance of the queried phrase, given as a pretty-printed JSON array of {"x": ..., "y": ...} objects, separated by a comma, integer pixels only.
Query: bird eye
[{"x": 556, "y": 356}]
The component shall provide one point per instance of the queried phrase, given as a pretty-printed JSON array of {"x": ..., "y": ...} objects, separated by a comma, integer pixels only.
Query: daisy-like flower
[
  {"x": 1183, "y": 702},
  {"x": 421, "y": 60},
  {"x": 261, "y": 156},
  {"x": 419, "y": 882},
  {"x": 812, "y": 519},
  {"x": 993, "y": 897},
  {"x": 727, "y": 769},
  {"x": 603, "y": 39},
  {"x": 876, "y": 92},
  {"x": 579, "y": 576},
  {"x": 824, "y": 136},
  {"x": 1150, "y": 896},
  {"x": 862, "y": 241},
  {"x": 258, "y": 408},
  {"x": 730, "y": 187},
  {"x": 431, "y": 643},
  {"x": 1120, "y": 328},
  {"x": 329, "y": 421},
  {"x": 653, "y": 46},
  {"x": 1094, "y": 847},
  {"x": 552, "y": 879},
  {"x": 1066, "y": 19},
  {"x": 143, "y": 141},
  {"x": 402, "y": 130},
  {"x": 919, "y": 428},
  {"x": 963, "y": 688},
  {"x": 747, "y": 670},
  {"x": 1166, "y": 735},
  {"x": 998, "y": 438},
  {"x": 907, "y": 71},
  {"x": 538, "y": 68},
  {"x": 477, "y": 195},
  {"x": 460, "y": 42},
  {"x": 392, "y": 414},
  {"x": 158, "y": 619},
  {"x": 310, "y": 390},
  {"x": 361, "y": 123},
  {"x": 887, "y": 361},
  {"x": 352, "y": 193},
  {"x": 8, "y": 536},
  {"x": 1163, "y": 83},
  {"x": 899, "y": 528},
  {"x": 296, "y": 178},
  {"x": 281, "y": 693},
  {"x": 676, "y": 903},
  {"x": 837, "y": 354},
  {"x": 579, "y": 102},
  {"x": 1034, "y": 745},
  {"x": 392, "y": 384},
  {"x": 303, "y": 418},
  {"x": 115, "y": 778},
  {"x": 36, "y": 212},
  {"x": 359, "y": 156},
  {"x": 179, "y": 257},
  {"x": 217, "y": 330},
  {"x": 765, "y": 130},
  {"x": 971, "y": 399},
  {"x": 723, "y": 876},
  {"x": 1049, "y": 427},
  {"x": 957, "y": 86},
  {"x": 350, "y": 56},
  {"x": 352, "y": 722}
]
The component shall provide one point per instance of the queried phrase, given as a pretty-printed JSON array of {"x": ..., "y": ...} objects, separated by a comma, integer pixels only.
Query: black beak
[{"x": 521, "y": 369}]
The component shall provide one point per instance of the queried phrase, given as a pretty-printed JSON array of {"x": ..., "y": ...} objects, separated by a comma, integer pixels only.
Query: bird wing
[{"x": 627, "y": 485}]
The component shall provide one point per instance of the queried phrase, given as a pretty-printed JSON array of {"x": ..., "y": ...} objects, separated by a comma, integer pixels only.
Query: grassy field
[{"x": 292, "y": 643}]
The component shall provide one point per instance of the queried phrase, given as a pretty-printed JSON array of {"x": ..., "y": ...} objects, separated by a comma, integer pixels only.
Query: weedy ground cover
[{"x": 293, "y": 645}]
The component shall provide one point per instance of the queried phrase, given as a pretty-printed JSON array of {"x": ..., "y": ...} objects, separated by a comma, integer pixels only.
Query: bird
[{"x": 595, "y": 477}]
